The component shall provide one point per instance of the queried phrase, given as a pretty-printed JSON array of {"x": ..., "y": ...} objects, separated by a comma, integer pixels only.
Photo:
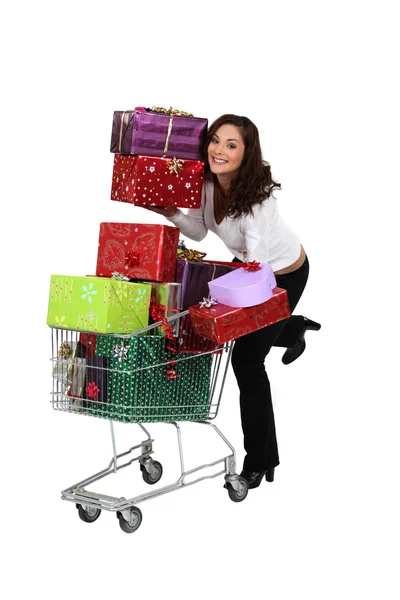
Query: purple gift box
[
  {"x": 145, "y": 132},
  {"x": 194, "y": 277},
  {"x": 243, "y": 288},
  {"x": 96, "y": 378}
]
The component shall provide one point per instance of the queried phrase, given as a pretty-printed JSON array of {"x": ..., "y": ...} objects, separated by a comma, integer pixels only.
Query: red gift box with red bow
[
  {"x": 221, "y": 323},
  {"x": 138, "y": 251},
  {"x": 155, "y": 181}
]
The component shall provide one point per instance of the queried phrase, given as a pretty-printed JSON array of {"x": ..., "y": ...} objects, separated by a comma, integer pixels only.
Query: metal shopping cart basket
[{"x": 141, "y": 378}]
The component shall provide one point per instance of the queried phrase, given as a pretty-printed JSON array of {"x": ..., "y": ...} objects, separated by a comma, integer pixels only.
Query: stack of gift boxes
[{"x": 143, "y": 275}]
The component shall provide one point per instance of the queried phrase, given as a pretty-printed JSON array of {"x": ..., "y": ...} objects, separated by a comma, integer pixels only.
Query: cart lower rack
[{"x": 141, "y": 378}]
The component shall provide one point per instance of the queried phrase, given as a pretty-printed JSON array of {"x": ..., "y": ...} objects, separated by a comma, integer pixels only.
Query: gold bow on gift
[
  {"x": 65, "y": 351},
  {"x": 190, "y": 254},
  {"x": 175, "y": 166},
  {"x": 172, "y": 113}
]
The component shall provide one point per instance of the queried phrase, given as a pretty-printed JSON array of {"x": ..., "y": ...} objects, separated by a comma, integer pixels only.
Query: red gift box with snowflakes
[
  {"x": 221, "y": 323},
  {"x": 138, "y": 251},
  {"x": 154, "y": 181}
]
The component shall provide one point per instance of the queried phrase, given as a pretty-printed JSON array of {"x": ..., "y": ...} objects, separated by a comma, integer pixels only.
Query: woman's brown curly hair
[{"x": 253, "y": 184}]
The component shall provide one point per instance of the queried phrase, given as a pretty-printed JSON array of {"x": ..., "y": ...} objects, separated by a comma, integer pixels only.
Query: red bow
[
  {"x": 157, "y": 312},
  {"x": 92, "y": 390},
  {"x": 132, "y": 258},
  {"x": 252, "y": 266}
]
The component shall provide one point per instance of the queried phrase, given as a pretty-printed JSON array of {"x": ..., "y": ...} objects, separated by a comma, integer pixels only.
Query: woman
[{"x": 238, "y": 205}]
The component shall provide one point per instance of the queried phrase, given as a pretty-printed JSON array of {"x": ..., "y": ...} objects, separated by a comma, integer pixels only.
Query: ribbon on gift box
[
  {"x": 121, "y": 127},
  {"x": 175, "y": 166},
  {"x": 252, "y": 266},
  {"x": 137, "y": 109},
  {"x": 132, "y": 259},
  {"x": 172, "y": 113},
  {"x": 186, "y": 254},
  {"x": 207, "y": 303},
  {"x": 157, "y": 312},
  {"x": 92, "y": 390},
  {"x": 119, "y": 276},
  {"x": 65, "y": 351}
]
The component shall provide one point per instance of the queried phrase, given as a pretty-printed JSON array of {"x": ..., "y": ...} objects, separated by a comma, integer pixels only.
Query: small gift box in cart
[{"x": 140, "y": 377}]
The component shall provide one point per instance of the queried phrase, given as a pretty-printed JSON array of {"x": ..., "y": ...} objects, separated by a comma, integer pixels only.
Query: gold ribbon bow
[
  {"x": 191, "y": 255},
  {"x": 172, "y": 113},
  {"x": 175, "y": 166},
  {"x": 65, "y": 351}
]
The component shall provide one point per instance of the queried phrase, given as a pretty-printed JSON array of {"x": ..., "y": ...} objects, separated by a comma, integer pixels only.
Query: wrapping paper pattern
[
  {"x": 146, "y": 133},
  {"x": 242, "y": 288},
  {"x": 139, "y": 251},
  {"x": 222, "y": 323},
  {"x": 88, "y": 340},
  {"x": 98, "y": 304},
  {"x": 194, "y": 277},
  {"x": 168, "y": 295},
  {"x": 139, "y": 389},
  {"x": 189, "y": 341},
  {"x": 148, "y": 181}
]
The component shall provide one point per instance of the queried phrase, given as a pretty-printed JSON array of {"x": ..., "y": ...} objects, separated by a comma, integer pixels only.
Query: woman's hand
[{"x": 166, "y": 211}]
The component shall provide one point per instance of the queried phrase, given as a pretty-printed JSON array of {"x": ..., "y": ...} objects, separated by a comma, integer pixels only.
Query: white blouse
[{"x": 263, "y": 236}]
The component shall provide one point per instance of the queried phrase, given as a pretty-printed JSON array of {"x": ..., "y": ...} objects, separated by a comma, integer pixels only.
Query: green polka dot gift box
[
  {"x": 143, "y": 386},
  {"x": 98, "y": 304}
]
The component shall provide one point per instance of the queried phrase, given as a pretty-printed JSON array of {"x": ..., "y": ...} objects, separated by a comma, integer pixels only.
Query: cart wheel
[
  {"x": 88, "y": 514},
  {"x": 158, "y": 471},
  {"x": 135, "y": 520},
  {"x": 238, "y": 496}
]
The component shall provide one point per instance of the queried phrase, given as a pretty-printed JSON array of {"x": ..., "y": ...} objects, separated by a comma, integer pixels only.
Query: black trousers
[{"x": 249, "y": 352}]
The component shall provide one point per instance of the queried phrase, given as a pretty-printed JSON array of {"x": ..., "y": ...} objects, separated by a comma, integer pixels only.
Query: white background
[{"x": 319, "y": 80}]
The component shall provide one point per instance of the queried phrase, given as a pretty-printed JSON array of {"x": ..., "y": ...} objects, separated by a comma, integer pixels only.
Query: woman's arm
[{"x": 192, "y": 225}]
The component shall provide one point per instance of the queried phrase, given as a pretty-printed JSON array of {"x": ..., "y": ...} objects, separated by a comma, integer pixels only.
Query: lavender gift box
[
  {"x": 194, "y": 277},
  {"x": 242, "y": 288},
  {"x": 145, "y": 132}
]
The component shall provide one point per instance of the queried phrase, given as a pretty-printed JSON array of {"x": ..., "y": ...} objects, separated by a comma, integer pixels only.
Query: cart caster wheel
[
  {"x": 135, "y": 520},
  {"x": 238, "y": 496},
  {"x": 158, "y": 471},
  {"x": 88, "y": 514}
]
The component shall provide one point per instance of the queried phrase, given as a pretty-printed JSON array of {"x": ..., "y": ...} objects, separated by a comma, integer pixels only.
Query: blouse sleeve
[
  {"x": 192, "y": 225},
  {"x": 257, "y": 237}
]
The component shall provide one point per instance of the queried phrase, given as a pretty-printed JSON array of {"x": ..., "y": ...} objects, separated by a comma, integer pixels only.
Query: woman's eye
[{"x": 231, "y": 146}]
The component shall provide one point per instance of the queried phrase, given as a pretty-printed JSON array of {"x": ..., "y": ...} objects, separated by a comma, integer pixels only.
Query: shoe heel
[
  {"x": 313, "y": 325},
  {"x": 269, "y": 475}
]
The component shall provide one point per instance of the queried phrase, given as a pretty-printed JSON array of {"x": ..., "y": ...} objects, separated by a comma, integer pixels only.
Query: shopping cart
[{"x": 144, "y": 377}]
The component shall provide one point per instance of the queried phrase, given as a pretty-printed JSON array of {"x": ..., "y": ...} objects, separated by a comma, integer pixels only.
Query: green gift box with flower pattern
[
  {"x": 139, "y": 388},
  {"x": 98, "y": 304}
]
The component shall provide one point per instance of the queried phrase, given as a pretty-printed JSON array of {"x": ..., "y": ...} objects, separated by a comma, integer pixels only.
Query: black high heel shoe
[
  {"x": 300, "y": 345},
  {"x": 254, "y": 478}
]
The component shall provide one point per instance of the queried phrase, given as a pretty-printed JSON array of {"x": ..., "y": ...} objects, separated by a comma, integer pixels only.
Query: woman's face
[{"x": 226, "y": 150}]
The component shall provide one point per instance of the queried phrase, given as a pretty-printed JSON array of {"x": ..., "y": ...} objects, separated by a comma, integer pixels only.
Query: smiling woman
[
  {"x": 238, "y": 205},
  {"x": 225, "y": 153}
]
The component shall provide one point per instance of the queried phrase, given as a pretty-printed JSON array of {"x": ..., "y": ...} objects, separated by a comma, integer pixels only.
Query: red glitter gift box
[
  {"x": 153, "y": 181},
  {"x": 138, "y": 251},
  {"x": 221, "y": 323}
]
